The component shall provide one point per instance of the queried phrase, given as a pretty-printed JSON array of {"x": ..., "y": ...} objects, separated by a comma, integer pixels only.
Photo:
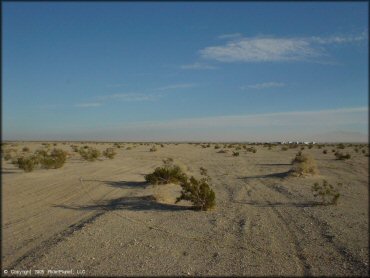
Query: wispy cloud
[
  {"x": 87, "y": 105},
  {"x": 230, "y": 36},
  {"x": 117, "y": 85},
  {"x": 130, "y": 97},
  {"x": 272, "y": 49},
  {"x": 198, "y": 66},
  {"x": 265, "y": 85},
  {"x": 175, "y": 86}
]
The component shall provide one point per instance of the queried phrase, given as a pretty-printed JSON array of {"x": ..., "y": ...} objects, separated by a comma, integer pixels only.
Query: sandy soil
[{"x": 101, "y": 217}]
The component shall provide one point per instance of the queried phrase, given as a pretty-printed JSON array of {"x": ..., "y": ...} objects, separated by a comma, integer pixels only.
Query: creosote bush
[
  {"x": 153, "y": 149},
  {"x": 53, "y": 160},
  {"x": 109, "y": 152},
  {"x": 89, "y": 153},
  {"x": 198, "y": 192},
  {"x": 169, "y": 173},
  {"x": 235, "y": 153},
  {"x": 304, "y": 164},
  {"x": 26, "y": 149},
  {"x": 341, "y": 156},
  {"x": 324, "y": 151},
  {"x": 28, "y": 164},
  {"x": 340, "y": 146},
  {"x": 327, "y": 192}
]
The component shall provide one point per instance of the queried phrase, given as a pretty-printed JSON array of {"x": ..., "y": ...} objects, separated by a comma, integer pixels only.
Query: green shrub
[
  {"x": 54, "y": 160},
  {"x": 327, "y": 192},
  {"x": 169, "y": 173},
  {"x": 89, "y": 153},
  {"x": 109, "y": 152},
  {"x": 341, "y": 156},
  {"x": 198, "y": 192},
  {"x": 340, "y": 146},
  {"x": 28, "y": 164}
]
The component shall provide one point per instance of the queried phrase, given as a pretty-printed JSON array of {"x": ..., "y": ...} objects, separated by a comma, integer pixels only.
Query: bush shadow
[
  {"x": 281, "y": 204},
  {"x": 137, "y": 203}
]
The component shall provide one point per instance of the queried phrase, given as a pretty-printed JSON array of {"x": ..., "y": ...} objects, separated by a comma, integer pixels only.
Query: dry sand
[{"x": 101, "y": 217}]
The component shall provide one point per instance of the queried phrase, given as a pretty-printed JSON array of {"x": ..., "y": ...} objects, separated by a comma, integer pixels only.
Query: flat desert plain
[{"x": 102, "y": 218}]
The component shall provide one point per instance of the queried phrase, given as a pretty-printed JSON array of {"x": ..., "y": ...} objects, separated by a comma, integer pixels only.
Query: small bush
[
  {"x": 89, "y": 153},
  {"x": 302, "y": 148},
  {"x": 327, "y": 192},
  {"x": 363, "y": 151},
  {"x": 341, "y": 156},
  {"x": 324, "y": 151},
  {"x": 340, "y": 146},
  {"x": 222, "y": 151},
  {"x": 28, "y": 164},
  {"x": 304, "y": 164},
  {"x": 217, "y": 147},
  {"x": 54, "y": 160},
  {"x": 109, "y": 153},
  {"x": 169, "y": 173},
  {"x": 356, "y": 150},
  {"x": 153, "y": 149},
  {"x": 251, "y": 149},
  {"x": 26, "y": 149},
  {"x": 235, "y": 153}
]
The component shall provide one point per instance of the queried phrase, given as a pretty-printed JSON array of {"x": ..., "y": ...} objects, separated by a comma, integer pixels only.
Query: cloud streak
[
  {"x": 198, "y": 66},
  {"x": 88, "y": 105},
  {"x": 272, "y": 49},
  {"x": 265, "y": 85}
]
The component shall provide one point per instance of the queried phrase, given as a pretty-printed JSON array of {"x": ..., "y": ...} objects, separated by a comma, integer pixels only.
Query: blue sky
[{"x": 185, "y": 71}]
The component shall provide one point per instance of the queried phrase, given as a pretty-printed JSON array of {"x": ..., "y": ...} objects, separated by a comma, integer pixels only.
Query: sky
[{"x": 197, "y": 71}]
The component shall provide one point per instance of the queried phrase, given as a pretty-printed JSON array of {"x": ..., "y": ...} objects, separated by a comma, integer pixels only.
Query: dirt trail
[{"x": 265, "y": 222}]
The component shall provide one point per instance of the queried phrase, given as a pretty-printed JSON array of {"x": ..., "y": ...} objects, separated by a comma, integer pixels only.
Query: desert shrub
[
  {"x": 304, "y": 164},
  {"x": 54, "y": 160},
  {"x": 55, "y": 144},
  {"x": 284, "y": 148},
  {"x": 162, "y": 146},
  {"x": 324, "y": 151},
  {"x": 222, "y": 151},
  {"x": 293, "y": 146},
  {"x": 129, "y": 148},
  {"x": 302, "y": 148},
  {"x": 333, "y": 151},
  {"x": 7, "y": 156},
  {"x": 238, "y": 148},
  {"x": 117, "y": 145},
  {"x": 340, "y": 146},
  {"x": 356, "y": 150},
  {"x": 341, "y": 156},
  {"x": 153, "y": 149},
  {"x": 168, "y": 173},
  {"x": 328, "y": 193},
  {"x": 26, "y": 149},
  {"x": 89, "y": 154},
  {"x": 217, "y": 147},
  {"x": 203, "y": 171},
  {"x": 74, "y": 148},
  {"x": 235, "y": 153},
  {"x": 319, "y": 147},
  {"x": 363, "y": 151},
  {"x": 251, "y": 149},
  {"x": 28, "y": 164},
  {"x": 109, "y": 152},
  {"x": 198, "y": 192}
]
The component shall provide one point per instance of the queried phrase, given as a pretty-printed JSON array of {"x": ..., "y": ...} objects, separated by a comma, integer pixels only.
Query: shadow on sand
[
  {"x": 281, "y": 204},
  {"x": 280, "y": 175},
  {"x": 123, "y": 184},
  {"x": 140, "y": 203}
]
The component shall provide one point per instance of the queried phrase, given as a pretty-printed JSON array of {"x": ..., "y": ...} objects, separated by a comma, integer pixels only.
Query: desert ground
[{"x": 102, "y": 219}]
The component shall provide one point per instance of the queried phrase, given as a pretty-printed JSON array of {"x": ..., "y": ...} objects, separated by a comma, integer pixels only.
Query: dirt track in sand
[{"x": 99, "y": 216}]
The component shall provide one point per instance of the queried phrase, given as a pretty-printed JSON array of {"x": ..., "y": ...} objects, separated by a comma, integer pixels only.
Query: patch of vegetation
[
  {"x": 217, "y": 147},
  {"x": 341, "y": 156},
  {"x": 153, "y": 149},
  {"x": 28, "y": 164},
  {"x": 235, "y": 153},
  {"x": 109, "y": 153},
  {"x": 222, "y": 151},
  {"x": 53, "y": 160},
  {"x": 198, "y": 192},
  {"x": 341, "y": 146},
  {"x": 168, "y": 173},
  {"x": 26, "y": 149},
  {"x": 304, "y": 164},
  {"x": 328, "y": 193},
  {"x": 324, "y": 151},
  {"x": 89, "y": 153},
  {"x": 251, "y": 149},
  {"x": 284, "y": 148}
]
